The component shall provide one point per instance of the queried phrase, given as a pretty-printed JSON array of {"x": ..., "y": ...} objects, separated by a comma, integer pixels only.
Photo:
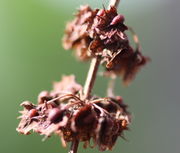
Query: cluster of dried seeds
[
  {"x": 101, "y": 32},
  {"x": 71, "y": 111},
  {"x": 62, "y": 112}
]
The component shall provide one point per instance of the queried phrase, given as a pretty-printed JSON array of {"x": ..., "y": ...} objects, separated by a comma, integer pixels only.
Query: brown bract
[
  {"x": 67, "y": 85},
  {"x": 126, "y": 65},
  {"x": 107, "y": 32},
  {"x": 99, "y": 119},
  {"x": 76, "y": 32}
]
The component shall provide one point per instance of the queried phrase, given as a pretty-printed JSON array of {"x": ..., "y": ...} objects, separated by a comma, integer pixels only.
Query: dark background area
[{"x": 31, "y": 58}]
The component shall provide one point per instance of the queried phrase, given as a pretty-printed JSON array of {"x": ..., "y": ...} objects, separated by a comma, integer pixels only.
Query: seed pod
[
  {"x": 117, "y": 19},
  {"x": 105, "y": 134},
  {"x": 32, "y": 113},
  {"x": 55, "y": 115},
  {"x": 84, "y": 120}
]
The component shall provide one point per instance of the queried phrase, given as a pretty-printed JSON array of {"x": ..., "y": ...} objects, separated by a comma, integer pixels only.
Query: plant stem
[
  {"x": 110, "y": 89},
  {"x": 113, "y": 3},
  {"x": 74, "y": 146},
  {"x": 91, "y": 77}
]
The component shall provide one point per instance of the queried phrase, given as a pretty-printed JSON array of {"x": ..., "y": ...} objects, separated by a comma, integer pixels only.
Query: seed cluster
[
  {"x": 65, "y": 114},
  {"x": 101, "y": 32},
  {"x": 73, "y": 112}
]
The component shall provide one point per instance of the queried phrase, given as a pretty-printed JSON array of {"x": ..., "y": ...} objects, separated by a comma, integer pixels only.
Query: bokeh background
[{"x": 31, "y": 58}]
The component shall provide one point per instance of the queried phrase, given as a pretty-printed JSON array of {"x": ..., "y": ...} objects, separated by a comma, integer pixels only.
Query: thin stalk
[
  {"x": 91, "y": 77},
  {"x": 111, "y": 86},
  {"x": 74, "y": 146}
]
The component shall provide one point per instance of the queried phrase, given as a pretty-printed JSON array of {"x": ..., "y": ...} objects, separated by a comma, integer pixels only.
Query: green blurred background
[{"x": 31, "y": 58}]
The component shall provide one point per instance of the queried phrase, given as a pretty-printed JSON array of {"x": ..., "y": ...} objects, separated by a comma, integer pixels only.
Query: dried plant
[{"x": 70, "y": 110}]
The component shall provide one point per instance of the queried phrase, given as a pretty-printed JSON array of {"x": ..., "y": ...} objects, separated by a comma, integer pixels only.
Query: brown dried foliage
[
  {"x": 64, "y": 110},
  {"x": 102, "y": 33},
  {"x": 126, "y": 65},
  {"x": 76, "y": 32},
  {"x": 65, "y": 114}
]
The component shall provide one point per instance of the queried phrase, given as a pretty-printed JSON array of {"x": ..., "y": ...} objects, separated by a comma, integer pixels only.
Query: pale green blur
[{"x": 31, "y": 58}]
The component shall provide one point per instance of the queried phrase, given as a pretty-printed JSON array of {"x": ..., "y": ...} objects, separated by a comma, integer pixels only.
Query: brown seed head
[{"x": 100, "y": 119}]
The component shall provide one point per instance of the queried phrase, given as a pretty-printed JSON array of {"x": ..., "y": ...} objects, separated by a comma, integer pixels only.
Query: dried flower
[
  {"x": 99, "y": 119},
  {"x": 102, "y": 33},
  {"x": 73, "y": 112},
  {"x": 93, "y": 31},
  {"x": 107, "y": 32}
]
